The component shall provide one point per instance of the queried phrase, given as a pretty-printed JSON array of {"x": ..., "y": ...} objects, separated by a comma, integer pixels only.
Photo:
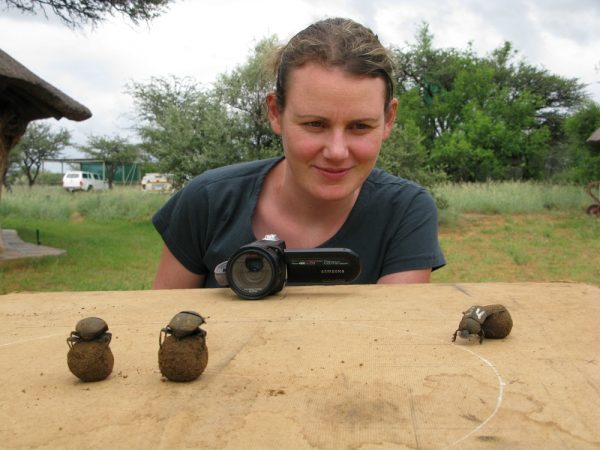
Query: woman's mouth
[{"x": 332, "y": 173}]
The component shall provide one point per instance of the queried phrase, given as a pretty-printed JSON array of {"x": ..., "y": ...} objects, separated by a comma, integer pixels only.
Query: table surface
[{"x": 313, "y": 367}]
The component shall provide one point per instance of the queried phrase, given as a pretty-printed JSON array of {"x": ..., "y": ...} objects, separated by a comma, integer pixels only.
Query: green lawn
[
  {"x": 492, "y": 232},
  {"x": 554, "y": 246},
  {"x": 117, "y": 255}
]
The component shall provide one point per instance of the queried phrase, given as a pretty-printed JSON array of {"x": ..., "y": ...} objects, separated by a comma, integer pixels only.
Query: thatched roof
[
  {"x": 594, "y": 138},
  {"x": 33, "y": 97}
]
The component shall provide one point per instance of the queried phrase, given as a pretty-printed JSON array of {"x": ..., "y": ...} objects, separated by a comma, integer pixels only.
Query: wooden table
[{"x": 321, "y": 367}]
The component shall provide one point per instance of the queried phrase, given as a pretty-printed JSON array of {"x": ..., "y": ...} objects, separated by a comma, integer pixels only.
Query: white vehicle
[
  {"x": 156, "y": 182},
  {"x": 83, "y": 181}
]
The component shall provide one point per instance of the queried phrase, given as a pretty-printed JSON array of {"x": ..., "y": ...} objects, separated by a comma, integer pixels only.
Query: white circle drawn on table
[{"x": 489, "y": 364}]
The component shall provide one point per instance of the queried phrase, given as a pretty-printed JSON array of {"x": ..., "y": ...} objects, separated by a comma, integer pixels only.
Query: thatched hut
[
  {"x": 594, "y": 139},
  {"x": 25, "y": 97}
]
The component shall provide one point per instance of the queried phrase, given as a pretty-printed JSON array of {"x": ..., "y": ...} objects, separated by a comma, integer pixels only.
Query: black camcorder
[{"x": 263, "y": 267}]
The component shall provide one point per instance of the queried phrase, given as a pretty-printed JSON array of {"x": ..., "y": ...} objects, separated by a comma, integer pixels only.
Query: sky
[{"x": 201, "y": 39}]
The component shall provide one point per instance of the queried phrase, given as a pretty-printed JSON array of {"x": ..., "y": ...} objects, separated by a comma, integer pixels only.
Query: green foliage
[
  {"x": 455, "y": 153},
  {"x": 244, "y": 91},
  {"x": 585, "y": 159},
  {"x": 39, "y": 143},
  {"x": 403, "y": 154},
  {"x": 49, "y": 178},
  {"x": 185, "y": 130},
  {"x": 557, "y": 96},
  {"x": 483, "y": 118}
]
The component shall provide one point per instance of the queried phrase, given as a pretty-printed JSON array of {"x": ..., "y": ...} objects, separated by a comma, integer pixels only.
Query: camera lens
[
  {"x": 254, "y": 264},
  {"x": 252, "y": 274}
]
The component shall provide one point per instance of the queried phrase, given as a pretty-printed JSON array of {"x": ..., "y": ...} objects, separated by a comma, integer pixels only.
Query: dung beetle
[
  {"x": 90, "y": 357},
  {"x": 183, "y": 324},
  {"x": 491, "y": 321},
  {"x": 90, "y": 329}
]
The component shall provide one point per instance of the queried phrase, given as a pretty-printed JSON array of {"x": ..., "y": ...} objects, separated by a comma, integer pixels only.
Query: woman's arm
[
  {"x": 410, "y": 276},
  {"x": 171, "y": 274}
]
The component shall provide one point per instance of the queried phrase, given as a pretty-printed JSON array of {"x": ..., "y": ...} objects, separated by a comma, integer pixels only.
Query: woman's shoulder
[
  {"x": 231, "y": 173},
  {"x": 381, "y": 181}
]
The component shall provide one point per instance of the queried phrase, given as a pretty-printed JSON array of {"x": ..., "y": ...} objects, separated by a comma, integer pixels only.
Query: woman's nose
[{"x": 336, "y": 146}]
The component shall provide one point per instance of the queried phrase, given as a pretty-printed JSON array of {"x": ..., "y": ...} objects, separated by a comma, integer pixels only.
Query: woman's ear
[
  {"x": 273, "y": 112},
  {"x": 390, "y": 118}
]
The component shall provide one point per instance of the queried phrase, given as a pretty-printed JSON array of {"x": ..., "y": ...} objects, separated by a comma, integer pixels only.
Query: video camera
[{"x": 263, "y": 267}]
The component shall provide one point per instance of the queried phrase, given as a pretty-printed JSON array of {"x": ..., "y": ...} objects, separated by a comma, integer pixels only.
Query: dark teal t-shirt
[{"x": 392, "y": 227}]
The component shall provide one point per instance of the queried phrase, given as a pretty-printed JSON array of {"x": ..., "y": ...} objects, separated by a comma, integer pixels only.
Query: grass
[
  {"x": 110, "y": 242},
  {"x": 552, "y": 246},
  {"x": 489, "y": 232},
  {"x": 509, "y": 198},
  {"x": 116, "y": 255},
  {"x": 54, "y": 203}
]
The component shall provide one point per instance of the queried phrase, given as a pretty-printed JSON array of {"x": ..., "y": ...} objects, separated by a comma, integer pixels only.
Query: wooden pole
[{"x": 11, "y": 130}]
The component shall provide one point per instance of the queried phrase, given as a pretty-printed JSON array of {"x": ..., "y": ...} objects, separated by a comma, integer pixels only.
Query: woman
[{"x": 333, "y": 107}]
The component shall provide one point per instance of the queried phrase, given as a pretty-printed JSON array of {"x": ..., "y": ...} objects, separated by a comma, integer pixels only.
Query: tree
[
  {"x": 75, "y": 13},
  {"x": 244, "y": 91},
  {"x": 403, "y": 154},
  {"x": 38, "y": 144},
  {"x": 113, "y": 151},
  {"x": 184, "y": 129},
  {"x": 584, "y": 160},
  {"x": 483, "y": 117},
  {"x": 557, "y": 96},
  {"x": 494, "y": 134}
]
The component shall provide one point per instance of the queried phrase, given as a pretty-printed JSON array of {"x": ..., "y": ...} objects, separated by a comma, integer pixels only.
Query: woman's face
[{"x": 332, "y": 128}]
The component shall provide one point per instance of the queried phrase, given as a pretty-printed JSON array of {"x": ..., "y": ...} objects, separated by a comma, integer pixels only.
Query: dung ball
[
  {"x": 91, "y": 360},
  {"x": 183, "y": 359},
  {"x": 499, "y": 324}
]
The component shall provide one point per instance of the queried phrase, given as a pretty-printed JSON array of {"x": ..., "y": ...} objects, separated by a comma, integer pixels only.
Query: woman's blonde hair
[{"x": 336, "y": 42}]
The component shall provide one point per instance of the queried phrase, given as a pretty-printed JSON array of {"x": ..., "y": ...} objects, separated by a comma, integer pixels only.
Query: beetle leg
[
  {"x": 106, "y": 338},
  {"x": 71, "y": 340},
  {"x": 160, "y": 336},
  {"x": 481, "y": 335},
  {"x": 454, "y": 336}
]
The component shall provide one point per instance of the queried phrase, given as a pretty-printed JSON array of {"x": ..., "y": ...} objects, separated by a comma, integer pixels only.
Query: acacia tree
[
  {"x": 244, "y": 91},
  {"x": 113, "y": 151},
  {"x": 486, "y": 117},
  {"x": 75, "y": 13},
  {"x": 404, "y": 154},
  {"x": 38, "y": 144},
  {"x": 184, "y": 129}
]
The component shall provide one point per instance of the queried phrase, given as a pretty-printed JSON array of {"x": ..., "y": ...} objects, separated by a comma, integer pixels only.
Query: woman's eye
[
  {"x": 360, "y": 126},
  {"x": 314, "y": 124}
]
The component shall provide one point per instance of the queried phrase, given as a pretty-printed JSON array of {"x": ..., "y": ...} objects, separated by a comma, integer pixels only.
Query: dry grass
[
  {"x": 502, "y": 232},
  {"x": 521, "y": 247}
]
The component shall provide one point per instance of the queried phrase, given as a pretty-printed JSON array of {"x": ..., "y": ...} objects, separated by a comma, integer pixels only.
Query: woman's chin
[{"x": 333, "y": 193}]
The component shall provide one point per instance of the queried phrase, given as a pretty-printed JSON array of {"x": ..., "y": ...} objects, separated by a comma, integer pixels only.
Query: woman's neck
[{"x": 296, "y": 217}]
